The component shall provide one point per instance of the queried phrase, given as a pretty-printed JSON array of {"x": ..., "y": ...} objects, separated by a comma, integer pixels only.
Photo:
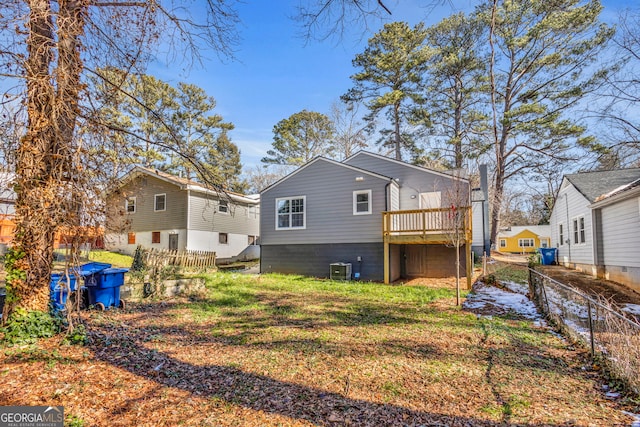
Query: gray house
[
  {"x": 387, "y": 218},
  {"x": 595, "y": 224},
  {"x": 158, "y": 210}
]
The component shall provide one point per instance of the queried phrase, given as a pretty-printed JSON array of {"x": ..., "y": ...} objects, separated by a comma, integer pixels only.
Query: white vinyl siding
[
  {"x": 621, "y": 233},
  {"x": 362, "y": 202},
  {"x": 570, "y": 204},
  {"x": 291, "y": 213}
]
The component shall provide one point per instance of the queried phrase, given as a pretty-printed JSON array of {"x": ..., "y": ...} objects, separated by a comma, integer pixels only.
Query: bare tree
[
  {"x": 458, "y": 229},
  {"x": 62, "y": 42},
  {"x": 350, "y": 133}
]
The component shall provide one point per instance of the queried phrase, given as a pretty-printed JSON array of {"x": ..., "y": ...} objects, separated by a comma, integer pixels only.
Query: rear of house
[
  {"x": 323, "y": 213},
  {"x": 328, "y": 212}
]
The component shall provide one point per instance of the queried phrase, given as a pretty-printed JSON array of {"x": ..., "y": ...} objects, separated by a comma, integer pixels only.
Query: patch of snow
[
  {"x": 612, "y": 395},
  {"x": 636, "y": 421},
  {"x": 484, "y": 296},
  {"x": 520, "y": 288},
  {"x": 540, "y": 323},
  {"x": 632, "y": 308}
]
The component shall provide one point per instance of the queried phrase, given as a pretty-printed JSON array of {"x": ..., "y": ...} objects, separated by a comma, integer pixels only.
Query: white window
[
  {"x": 223, "y": 206},
  {"x": 291, "y": 213},
  {"x": 526, "y": 243},
  {"x": 561, "y": 234},
  {"x": 578, "y": 230},
  {"x": 130, "y": 205},
  {"x": 503, "y": 243},
  {"x": 544, "y": 243},
  {"x": 159, "y": 202},
  {"x": 362, "y": 202}
]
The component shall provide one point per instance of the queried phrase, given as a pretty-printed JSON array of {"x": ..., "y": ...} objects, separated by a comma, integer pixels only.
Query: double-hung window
[
  {"x": 578, "y": 230},
  {"x": 526, "y": 243},
  {"x": 223, "y": 207},
  {"x": 130, "y": 205},
  {"x": 160, "y": 202},
  {"x": 291, "y": 213},
  {"x": 362, "y": 202},
  {"x": 561, "y": 234}
]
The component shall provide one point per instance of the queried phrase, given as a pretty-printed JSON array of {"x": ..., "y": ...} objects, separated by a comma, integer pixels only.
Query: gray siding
[
  {"x": 570, "y": 204},
  {"x": 412, "y": 180},
  {"x": 621, "y": 233},
  {"x": 314, "y": 260},
  {"x": 145, "y": 218},
  {"x": 328, "y": 188},
  {"x": 205, "y": 216}
]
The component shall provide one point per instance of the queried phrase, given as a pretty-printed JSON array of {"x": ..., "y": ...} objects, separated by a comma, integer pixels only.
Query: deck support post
[
  {"x": 467, "y": 248},
  {"x": 387, "y": 267}
]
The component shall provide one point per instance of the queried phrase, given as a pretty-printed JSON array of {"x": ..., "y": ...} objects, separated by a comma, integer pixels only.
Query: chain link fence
[{"x": 605, "y": 329}]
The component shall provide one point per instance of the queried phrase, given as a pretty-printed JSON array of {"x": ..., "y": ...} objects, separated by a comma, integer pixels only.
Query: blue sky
[{"x": 276, "y": 73}]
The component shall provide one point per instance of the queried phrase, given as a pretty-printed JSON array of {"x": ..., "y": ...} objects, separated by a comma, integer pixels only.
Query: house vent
[{"x": 340, "y": 271}]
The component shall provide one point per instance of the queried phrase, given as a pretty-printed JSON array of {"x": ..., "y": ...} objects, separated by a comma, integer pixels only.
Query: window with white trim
[
  {"x": 223, "y": 238},
  {"x": 362, "y": 202},
  {"x": 223, "y": 206},
  {"x": 561, "y": 234},
  {"x": 503, "y": 243},
  {"x": 578, "y": 230},
  {"x": 526, "y": 243},
  {"x": 159, "y": 202},
  {"x": 291, "y": 213},
  {"x": 130, "y": 205}
]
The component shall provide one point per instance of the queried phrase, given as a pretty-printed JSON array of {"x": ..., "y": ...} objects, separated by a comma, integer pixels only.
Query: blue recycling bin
[
  {"x": 103, "y": 287},
  {"x": 58, "y": 290},
  {"x": 548, "y": 256},
  {"x": 90, "y": 268}
]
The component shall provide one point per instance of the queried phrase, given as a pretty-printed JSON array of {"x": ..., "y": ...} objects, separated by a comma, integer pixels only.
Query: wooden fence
[{"x": 187, "y": 259}]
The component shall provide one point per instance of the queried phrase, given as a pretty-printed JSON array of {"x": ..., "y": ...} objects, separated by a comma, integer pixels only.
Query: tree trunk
[
  {"x": 44, "y": 155},
  {"x": 396, "y": 133}
]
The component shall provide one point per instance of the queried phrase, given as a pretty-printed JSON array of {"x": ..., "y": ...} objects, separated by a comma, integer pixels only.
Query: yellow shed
[{"x": 524, "y": 239}]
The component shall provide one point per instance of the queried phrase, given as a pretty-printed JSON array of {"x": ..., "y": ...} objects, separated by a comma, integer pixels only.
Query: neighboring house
[
  {"x": 7, "y": 208},
  {"x": 524, "y": 239},
  {"x": 389, "y": 219},
  {"x": 158, "y": 210},
  {"x": 596, "y": 224}
]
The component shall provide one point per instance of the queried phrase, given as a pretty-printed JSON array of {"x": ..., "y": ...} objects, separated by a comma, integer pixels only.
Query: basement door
[
  {"x": 415, "y": 260},
  {"x": 173, "y": 242}
]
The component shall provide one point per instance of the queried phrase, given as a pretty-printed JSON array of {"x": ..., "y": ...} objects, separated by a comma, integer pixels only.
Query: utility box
[{"x": 340, "y": 271}]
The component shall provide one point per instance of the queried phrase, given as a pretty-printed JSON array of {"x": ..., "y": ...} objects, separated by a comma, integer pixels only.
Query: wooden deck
[
  {"x": 443, "y": 226},
  {"x": 420, "y": 226}
]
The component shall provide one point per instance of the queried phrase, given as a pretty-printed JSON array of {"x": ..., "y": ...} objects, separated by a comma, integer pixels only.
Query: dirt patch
[{"x": 612, "y": 291}]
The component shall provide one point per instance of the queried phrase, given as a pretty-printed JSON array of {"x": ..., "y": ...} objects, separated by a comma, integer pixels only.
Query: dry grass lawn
[{"x": 290, "y": 351}]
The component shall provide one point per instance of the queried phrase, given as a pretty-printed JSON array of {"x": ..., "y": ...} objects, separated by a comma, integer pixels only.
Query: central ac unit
[{"x": 340, "y": 271}]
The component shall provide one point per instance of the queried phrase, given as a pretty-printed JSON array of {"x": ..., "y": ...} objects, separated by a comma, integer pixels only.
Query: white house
[{"x": 595, "y": 224}]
